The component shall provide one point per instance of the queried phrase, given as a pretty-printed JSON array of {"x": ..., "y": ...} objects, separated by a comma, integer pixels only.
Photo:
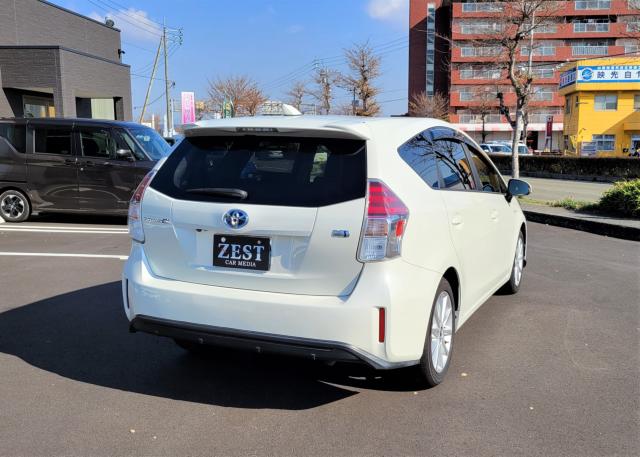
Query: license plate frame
[{"x": 229, "y": 251}]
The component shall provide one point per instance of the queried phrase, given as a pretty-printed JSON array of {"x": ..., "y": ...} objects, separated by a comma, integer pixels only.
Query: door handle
[
  {"x": 456, "y": 220},
  {"x": 69, "y": 161},
  {"x": 494, "y": 215}
]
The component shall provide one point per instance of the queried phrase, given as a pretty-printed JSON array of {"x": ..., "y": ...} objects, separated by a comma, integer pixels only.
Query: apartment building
[
  {"x": 573, "y": 29},
  {"x": 57, "y": 63}
]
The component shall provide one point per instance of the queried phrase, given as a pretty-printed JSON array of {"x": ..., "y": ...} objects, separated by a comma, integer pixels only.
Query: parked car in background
[
  {"x": 340, "y": 239},
  {"x": 499, "y": 147},
  {"x": 73, "y": 165}
]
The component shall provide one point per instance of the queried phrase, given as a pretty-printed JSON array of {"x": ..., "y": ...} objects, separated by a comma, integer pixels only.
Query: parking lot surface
[{"x": 553, "y": 371}]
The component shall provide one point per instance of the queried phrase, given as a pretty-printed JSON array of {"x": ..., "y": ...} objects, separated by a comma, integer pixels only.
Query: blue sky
[{"x": 273, "y": 42}]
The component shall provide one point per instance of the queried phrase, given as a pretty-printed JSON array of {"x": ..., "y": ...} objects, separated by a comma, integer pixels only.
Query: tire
[
  {"x": 14, "y": 206},
  {"x": 438, "y": 345},
  {"x": 512, "y": 286}
]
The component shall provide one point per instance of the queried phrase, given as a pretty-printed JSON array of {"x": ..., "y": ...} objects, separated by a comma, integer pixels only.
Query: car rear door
[
  {"x": 105, "y": 182},
  {"x": 268, "y": 213},
  {"x": 52, "y": 171}
]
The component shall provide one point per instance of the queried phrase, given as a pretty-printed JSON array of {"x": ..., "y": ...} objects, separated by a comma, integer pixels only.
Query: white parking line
[
  {"x": 52, "y": 254},
  {"x": 38, "y": 230},
  {"x": 63, "y": 227}
]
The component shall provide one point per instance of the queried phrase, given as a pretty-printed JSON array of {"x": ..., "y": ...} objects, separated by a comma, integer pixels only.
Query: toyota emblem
[{"x": 235, "y": 218}]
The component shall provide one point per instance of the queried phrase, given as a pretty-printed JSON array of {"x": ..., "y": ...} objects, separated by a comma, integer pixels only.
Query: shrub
[{"x": 622, "y": 198}]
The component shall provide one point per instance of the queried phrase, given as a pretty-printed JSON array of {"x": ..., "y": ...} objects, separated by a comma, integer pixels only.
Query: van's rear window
[{"x": 265, "y": 170}]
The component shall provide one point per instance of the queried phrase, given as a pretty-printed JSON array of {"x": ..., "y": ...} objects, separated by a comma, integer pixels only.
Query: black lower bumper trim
[{"x": 250, "y": 341}]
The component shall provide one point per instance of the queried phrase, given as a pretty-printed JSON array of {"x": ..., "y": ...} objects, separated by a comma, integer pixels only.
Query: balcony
[
  {"x": 590, "y": 27},
  {"x": 589, "y": 50},
  {"x": 471, "y": 99},
  {"x": 581, "y": 5},
  {"x": 486, "y": 7},
  {"x": 477, "y": 118}
]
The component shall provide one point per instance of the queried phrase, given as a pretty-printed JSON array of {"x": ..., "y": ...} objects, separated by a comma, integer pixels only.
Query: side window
[
  {"x": 489, "y": 178},
  {"x": 14, "y": 134},
  {"x": 51, "y": 140},
  {"x": 97, "y": 142},
  {"x": 453, "y": 165},
  {"x": 418, "y": 154},
  {"x": 126, "y": 142}
]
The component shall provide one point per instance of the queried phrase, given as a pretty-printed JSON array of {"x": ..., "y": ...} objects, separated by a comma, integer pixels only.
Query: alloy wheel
[
  {"x": 518, "y": 263},
  {"x": 12, "y": 206},
  {"x": 441, "y": 331}
]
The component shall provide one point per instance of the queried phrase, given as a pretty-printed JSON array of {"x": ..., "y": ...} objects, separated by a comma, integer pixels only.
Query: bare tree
[
  {"x": 434, "y": 106},
  {"x": 325, "y": 80},
  {"x": 241, "y": 91},
  {"x": 296, "y": 94},
  {"x": 364, "y": 66},
  {"x": 505, "y": 42},
  {"x": 485, "y": 105}
]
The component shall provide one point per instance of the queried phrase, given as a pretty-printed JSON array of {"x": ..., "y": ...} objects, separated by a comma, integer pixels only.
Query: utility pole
[
  {"x": 167, "y": 84},
  {"x": 354, "y": 102},
  {"x": 153, "y": 74}
]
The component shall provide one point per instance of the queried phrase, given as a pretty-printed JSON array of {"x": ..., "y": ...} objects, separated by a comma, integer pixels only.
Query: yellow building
[{"x": 602, "y": 106}]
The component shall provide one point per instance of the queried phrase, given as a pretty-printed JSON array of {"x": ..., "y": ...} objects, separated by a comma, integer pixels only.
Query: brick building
[
  {"x": 54, "y": 62},
  {"x": 578, "y": 29}
]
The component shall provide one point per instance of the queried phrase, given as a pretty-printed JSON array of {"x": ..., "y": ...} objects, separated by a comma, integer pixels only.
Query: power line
[{"x": 124, "y": 10}]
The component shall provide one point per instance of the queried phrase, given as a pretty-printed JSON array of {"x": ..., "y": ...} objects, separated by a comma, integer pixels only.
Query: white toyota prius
[{"x": 332, "y": 238}]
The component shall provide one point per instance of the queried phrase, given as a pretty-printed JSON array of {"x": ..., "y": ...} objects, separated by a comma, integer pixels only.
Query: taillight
[
  {"x": 384, "y": 226},
  {"x": 136, "y": 231}
]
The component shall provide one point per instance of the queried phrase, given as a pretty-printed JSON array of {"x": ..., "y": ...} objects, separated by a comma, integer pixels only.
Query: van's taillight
[
  {"x": 384, "y": 226},
  {"x": 136, "y": 231}
]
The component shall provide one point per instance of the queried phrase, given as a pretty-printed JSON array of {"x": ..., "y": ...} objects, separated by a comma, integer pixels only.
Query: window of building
[
  {"x": 97, "y": 143},
  {"x": 567, "y": 104},
  {"x": 453, "y": 165},
  {"x": 419, "y": 155},
  {"x": 604, "y": 142},
  {"x": 14, "y": 134},
  {"x": 606, "y": 102},
  {"x": 636, "y": 102},
  {"x": 38, "y": 107},
  {"x": 592, "y": 4},
  {"x": 49, "y": 140}
]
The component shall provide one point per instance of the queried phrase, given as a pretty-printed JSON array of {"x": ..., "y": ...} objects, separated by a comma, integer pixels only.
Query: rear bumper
[
  {"x": 343, "y": 328},
  {"x": 258, "y": 342}
]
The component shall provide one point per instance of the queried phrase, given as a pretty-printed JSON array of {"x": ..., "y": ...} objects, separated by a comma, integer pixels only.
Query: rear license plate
[{"x": 242, "y": 252}]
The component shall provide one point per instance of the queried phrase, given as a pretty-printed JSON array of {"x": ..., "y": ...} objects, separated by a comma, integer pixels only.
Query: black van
[{"x": 73, "y": 165}]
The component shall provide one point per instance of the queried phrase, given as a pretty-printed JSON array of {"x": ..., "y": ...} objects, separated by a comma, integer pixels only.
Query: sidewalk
[{"x": 626, "y": 229}]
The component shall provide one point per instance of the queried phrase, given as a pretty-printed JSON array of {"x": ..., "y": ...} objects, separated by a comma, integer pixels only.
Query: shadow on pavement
[{"x": 83, "y": 335}]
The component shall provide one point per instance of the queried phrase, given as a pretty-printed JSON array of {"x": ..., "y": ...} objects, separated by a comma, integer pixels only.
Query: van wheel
[
  {"x": 14, "y": 206},
  {"x": 517, "y": 269},
  {"x": 438, "y": 345}
]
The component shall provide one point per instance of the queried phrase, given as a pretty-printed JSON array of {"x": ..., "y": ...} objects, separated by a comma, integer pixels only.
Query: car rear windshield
[{"x": 265, "y": 170}]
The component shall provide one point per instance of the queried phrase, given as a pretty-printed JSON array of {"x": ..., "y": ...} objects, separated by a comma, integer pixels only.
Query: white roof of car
[{"x": 391, "y": 128}]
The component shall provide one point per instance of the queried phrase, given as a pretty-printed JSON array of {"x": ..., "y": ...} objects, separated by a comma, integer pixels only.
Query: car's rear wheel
[
  {"x": 438, "y": 346},
  {"x": 513, "y": 285},
  {"x": 14, "y": 206}
]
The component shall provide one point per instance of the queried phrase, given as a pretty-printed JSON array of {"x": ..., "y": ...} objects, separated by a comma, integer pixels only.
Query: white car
[{"x": 333, "y": 238}]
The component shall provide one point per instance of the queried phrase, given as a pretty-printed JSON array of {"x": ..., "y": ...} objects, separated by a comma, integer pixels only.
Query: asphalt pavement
[{"x": 552, "y": 371}]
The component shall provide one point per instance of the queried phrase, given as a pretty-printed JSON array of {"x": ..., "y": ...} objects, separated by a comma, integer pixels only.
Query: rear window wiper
[{"x": 220, "y": 191}]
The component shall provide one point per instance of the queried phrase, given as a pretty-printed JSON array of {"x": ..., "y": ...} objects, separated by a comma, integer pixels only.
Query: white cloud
[
  {"x": 389, "y": 10},
  {"x": 135, "y": 24}
]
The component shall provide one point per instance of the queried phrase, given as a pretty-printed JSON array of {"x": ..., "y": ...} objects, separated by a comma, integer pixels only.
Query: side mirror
[
  {"x": 124, "y": 154},
  {"x": 517, "y": 188}
]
